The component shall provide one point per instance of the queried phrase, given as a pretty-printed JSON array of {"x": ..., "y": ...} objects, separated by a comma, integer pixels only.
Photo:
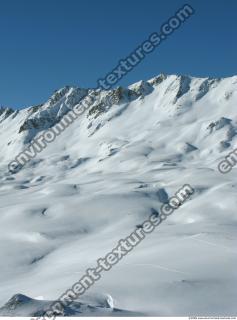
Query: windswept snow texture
[{"x": 130, "y": 151}]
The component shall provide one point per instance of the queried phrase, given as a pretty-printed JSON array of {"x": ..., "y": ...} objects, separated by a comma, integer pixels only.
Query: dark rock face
[
  {"x": 183, "y": 88},
  {"x": 46, "y": 115},
  {"x": 5, "y": 113}
]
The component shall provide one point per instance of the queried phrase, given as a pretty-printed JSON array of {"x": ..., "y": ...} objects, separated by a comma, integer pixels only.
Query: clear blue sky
[{"x": 46, "y": 45}]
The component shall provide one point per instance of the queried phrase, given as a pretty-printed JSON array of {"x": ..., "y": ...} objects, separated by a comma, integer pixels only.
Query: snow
[{"x": 101, "y": 177}]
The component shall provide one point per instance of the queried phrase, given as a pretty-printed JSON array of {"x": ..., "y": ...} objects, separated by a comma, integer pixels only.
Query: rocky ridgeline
[{"x": 45, "y": 116}]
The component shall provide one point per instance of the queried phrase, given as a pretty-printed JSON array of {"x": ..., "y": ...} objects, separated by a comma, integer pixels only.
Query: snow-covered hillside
[{"x": 101, "y": 177}]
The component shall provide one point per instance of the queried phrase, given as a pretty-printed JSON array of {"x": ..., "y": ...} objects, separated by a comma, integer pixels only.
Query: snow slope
[{"x": 101, "y": 177}]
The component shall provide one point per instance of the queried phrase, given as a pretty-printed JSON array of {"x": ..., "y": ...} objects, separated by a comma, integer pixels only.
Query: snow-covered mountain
[
  {"x": 20, "y": 305},
  {"x": 101, "y": 177}
]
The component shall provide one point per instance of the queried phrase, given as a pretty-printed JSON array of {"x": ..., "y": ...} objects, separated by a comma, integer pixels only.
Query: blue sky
[{"x": 45, "y": 45}]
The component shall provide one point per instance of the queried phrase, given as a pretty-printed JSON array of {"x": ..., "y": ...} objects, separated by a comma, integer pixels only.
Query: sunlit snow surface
[{"x": 99, "y": 179}]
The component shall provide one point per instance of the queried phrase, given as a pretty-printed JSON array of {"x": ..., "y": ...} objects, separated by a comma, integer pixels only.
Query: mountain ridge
[{"x": 29, "y": 122}]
